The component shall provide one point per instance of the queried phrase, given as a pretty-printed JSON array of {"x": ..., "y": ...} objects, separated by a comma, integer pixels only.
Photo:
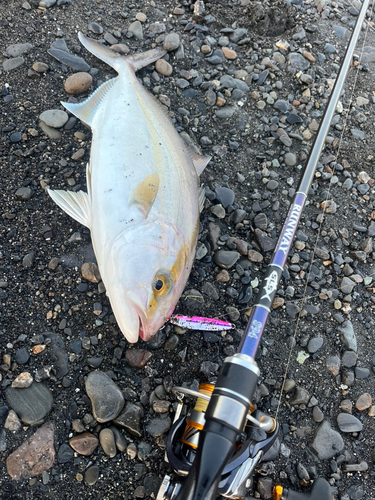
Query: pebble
[
  {"x": 120, "y": 441},
  {"x": 229, "y": 53},
  {"x": 32, "y": 404},
  {"x": 130, "y": 419},
  {"x": 348, "y": 423},
  {"x": 22, "y": 356},
  {"x": 95, "y": 28},
  {"x": 136, "y": 29},
  {"x": 106, "y": 398},
  {"x": 226, "y": 258},
  {"x": 54, "y": 118},
  {"x": 34, "y": 456},
  {"x": 84, "y": 444},
  {"x": 90, "y": 272},
  {"x": 159, "y": 426},
  {"x": 224, "y": 196},
  {"x": 18, "y": 49},
  {"x": 327, "y": 442},
  {"x": 49, "y": 131},
  {"x": 73, "y": 62},
  {"x": 137, "y": 358},
  {"x": 13, "y": 63},
  {"x": 92, "y": 475},
  {"x": 171, "y": 42},
  {"x": 163, "y": 67},
  {"x": 64, "y": 454},
  {"x": 107, "y": 442},
  {"x": 290, "y": 159},
  {"x": 77, "y": 83},
  {"x": 314, "y": 344},
  {"x": 363, "y": 402},
  {"x": 349, "y": 337},
  {"x": 12, "y": 422},
  {"x": 22, "y": 381}
]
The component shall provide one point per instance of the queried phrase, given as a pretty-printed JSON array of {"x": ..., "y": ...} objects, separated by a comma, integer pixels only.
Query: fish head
[{"x": 147, "y": 278}]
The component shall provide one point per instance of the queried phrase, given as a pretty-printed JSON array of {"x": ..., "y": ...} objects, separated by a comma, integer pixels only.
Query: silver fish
[{"x": 143, "y": 199}]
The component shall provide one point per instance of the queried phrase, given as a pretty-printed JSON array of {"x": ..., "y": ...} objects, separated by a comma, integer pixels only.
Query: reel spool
[{"x": 183, "y": 439}]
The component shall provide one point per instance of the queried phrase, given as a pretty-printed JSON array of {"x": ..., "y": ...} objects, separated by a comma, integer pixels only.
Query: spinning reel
[{"x": 183, "y": 438}]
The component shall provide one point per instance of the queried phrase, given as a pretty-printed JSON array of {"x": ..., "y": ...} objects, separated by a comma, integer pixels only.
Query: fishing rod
[{"x": 212, "y": 446}]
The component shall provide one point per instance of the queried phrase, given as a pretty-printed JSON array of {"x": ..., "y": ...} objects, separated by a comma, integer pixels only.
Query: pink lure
[{"x": 199, "y": 323}]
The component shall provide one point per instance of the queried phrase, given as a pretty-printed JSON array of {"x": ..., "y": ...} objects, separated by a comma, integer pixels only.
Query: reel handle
[{"x": 321, "y": 490}]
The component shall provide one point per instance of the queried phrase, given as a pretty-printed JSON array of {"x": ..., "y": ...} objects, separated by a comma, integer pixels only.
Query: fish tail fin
[{"x": 115, "y": 60}]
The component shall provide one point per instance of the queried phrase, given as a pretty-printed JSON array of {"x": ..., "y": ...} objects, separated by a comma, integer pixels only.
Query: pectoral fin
[
  {"x": 77, "y": 205},
  {"x": 144, "y": 194}
]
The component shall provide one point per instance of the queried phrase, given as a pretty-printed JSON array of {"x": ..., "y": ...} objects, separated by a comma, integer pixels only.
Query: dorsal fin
[
  {"x": 86, "y": 110},
  {"x": 116, "y": 60},
  {"x": 200, "y": 162}
]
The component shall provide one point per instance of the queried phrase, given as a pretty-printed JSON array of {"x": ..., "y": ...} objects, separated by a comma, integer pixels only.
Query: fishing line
[{"x": 324, "y": 209}]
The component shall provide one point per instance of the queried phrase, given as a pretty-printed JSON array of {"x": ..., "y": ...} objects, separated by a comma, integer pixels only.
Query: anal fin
[
  {"x": 201, "y": 198},
  {"x": 200, "y": 162},
  {"x": 77, "y": 205}
]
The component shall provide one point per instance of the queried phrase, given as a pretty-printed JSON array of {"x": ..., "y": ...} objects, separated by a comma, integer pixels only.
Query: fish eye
[{"x": 161, "y": 285}]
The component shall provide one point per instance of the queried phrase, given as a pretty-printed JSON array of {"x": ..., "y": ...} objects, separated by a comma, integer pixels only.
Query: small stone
[
  {"x": 137, "y": 358},
  {"x": 84, "y": 444},
  {"x": 25, "y": 193},
  {"x": 92, "y": 475},
  {"x": 64, "y": 454},
  {"x": 229, "y": 53},
  {"x": 159, "y": 426},
  {"x": 78, "y": 83},
  {"x": 327, "y": 442},
  {"x": 171, "y": 42},
  {"x": 363, "y": 402},
  {"x": 107, "y": 442},
  {"x": 346, "y": 405},
  {"x": 54, "y": 118},
  {"x": 318, "y": 415},
  {"x": 106, "y": 398},
  {"x": 333, "y": 365},
  {"x": 254, "y": 256},
  {"x": 163, "y": 67},
  {"x": 74, "y": 62},
  {"x": 136, "y": 29},
  {"x": 23, "y": 380},
  {"x": 14, "y": 63},
  {"x": 226, "y": 258},
  {"x": 90, "y": 272},
  {"x": 130, "y": 419},
  {"x": 95, "y": 28},
  {"x": 349, "y": 337},
  {"x": 80, "y": 153},
  {"x": 141, "y": 17},
  {"x": 12, "y": 422},
  {"x": 290, "y": 159},
  {"x": 28, "y": 260},
  {"x": 34, "y": 456},
  {"x": 348, "y": 423},
  {"x": 349, "y": 359},
  {"x": 314, "y": 344},
  {"x": 40, "y": 67},
  {"x": 32, "y": 403}
]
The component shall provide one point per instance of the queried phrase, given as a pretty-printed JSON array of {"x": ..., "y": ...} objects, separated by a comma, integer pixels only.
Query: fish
[{"x": 143, "y": 198}]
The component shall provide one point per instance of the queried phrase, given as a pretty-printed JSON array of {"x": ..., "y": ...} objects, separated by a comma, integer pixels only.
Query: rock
[
  {"x": 348, "y": 423},
  {"x": 317, "y": 414},
  {"x": 50, "y": 132},
  {"x": 333, "y": 365},
  {"x": 78, "y": 83},
  {"x": 130, "y": 419},
  {"x": 64, "y": 454},
  {"x": 224, "y": 196},
  {"x": 84, "y": 444},
  {"x": 266, "y": 243},
  {"x": 159, "y": 426},
  {"x": 171, "y": 42},
  {"x": 22, "y": 356},
  {"x": 136, "y": 29},
  {"x": 34, "y": 456},
  {"x": 106, "y": 398},
  {"x": 12, "y": 422},
  {"x": 92, "y": 475},
  {"x": 314, "y": 344},
  {"x": 28, "y": 260},
  {"x": 18, "y": 49},
  {"x": 349, "y": 337},
  {"x": 31, "y": 404},
  {"x": 95, "y": 28},
  {"x": 363, "y": 402},
  {"x": 229, "y": 53},
  {"x": 327, "y": 442},
  {"x": 55, "y": 118},
  {"x": 14, "y": 63},
  {"x": 74, "y": 62},
  {"x": 90, "y": 272},
  {"x": 226, "y": 112},
  {"x": 290, "y": 159},
  {"x": 163, "y": 67},
  {"x": 22, "y": 381},
  {"x": 137, "y": 358},
  {"x": 226, "y": 258},
  {"x": 347, "y": 285},
  {"x": 119, "y": 438},
  {"x": 77, "y": 155},
  {"x": 301, "y": 396},
  {"x": 25, "y": 193},
  {"x": 107, "y": 442},
  {"x": 349, "y": 359}
]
